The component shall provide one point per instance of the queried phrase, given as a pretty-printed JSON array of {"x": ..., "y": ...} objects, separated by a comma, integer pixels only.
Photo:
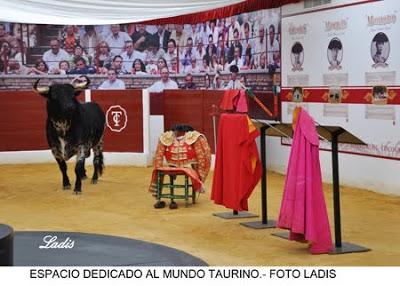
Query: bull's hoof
[
  {"x": 78, "y": 192},
  {"x": 173, "y": 206},
  {"x": 67, "y": 187},
  {"x": 94, "y": 181},
  {"x": 159, "y": 205}
]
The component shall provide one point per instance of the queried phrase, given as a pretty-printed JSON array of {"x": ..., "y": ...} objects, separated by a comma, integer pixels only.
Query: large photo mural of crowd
[{"x": 251, "y": 41}]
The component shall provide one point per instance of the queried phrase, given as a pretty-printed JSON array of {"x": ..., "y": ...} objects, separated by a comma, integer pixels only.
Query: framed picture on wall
[
  {"x": 297, "y": 92},
  {"x": 379, "y": 94},
  {"x": 335, "y": 94}
]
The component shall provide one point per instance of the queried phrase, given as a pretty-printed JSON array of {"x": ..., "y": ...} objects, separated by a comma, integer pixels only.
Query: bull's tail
[{"x": 98, "y": 161}]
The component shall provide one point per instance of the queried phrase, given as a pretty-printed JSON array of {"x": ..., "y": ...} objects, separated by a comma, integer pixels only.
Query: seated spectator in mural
[
  {"x": 204, "y": 32},
  {"x": 40, "y": 68},
  {"x": 171, "y": 52},
  {"x": 164, "y": 83},
  {"x": 194, "y": 33},
  {"x": 174, "y": 66},
  {"x": 163, "y": 36},
  {"x": 207, "y": 82},
  {"x": 248, "y": 43},
  {"x": 150, "y": 68},
  {"x": 53, "y": 56},
  {"x": 194, "y": 68},
  {"x": 81, "y": 67},
  {"x": 160, "y": 64},
  {"x": 211, "y": 48},
  {"x": 103, "y": 30},
  {"x": 63, "y": 68},
  {"x": 218, "y": 83},
  {"x": 214, "y": 31},
  {"x": 234, "y": 83},
  {"x": 262, "y": 64},
  {"x": 15, "y": 47},
  {"x": 21, "y": 53},
  {"x": 244, "y": 22},
  {"x": 153, "y": 52},
  {"x": 79, "y": 52},
  {"x": 117, "y": 65},
  {"x": 69, "y": 37},
  {"x": 102, "y": 56},
  {"x": 205, "y": 67},
  {"x": 215, "y": 65},
  {"x": 116, "y": 40},
  {"x": 140, "y": 38},
  {"x": 235, "y": 43},
  {"x": 5, "y": 51},
  {"x": 90, "y": 40},
  {"x": 223, "y": 29},
  {"x": 233, "y": 25},
  {"x": 200, "y": 51},
  {"x": 272, "y": 48},
  {"x": 15, "y": 68},
  {"x": 129, "y": 56},
  {"x": 4, "y": 36},
  {"x": 222, "y": 50},
  {"x": 222, "y": 64},
  {"x": 260, "y": 46},
  {"x": 186, "y": 56},
  {"x": 179, "y": 35},
  {"x": 112, "y": 81},
  {"x": 189, "y": 84},
  {"x": 138, "y": 67},
  {"x": 248, "y": 63},
  {"x": 237, "y": 58},
  {"x": 132, "y": 28}
]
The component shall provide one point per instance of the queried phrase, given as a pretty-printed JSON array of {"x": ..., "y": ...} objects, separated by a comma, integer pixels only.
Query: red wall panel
[{"x": 23, "y": 121}]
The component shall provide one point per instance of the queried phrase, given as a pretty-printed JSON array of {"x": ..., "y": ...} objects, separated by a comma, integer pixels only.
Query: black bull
[{"x": 73, "y": 128}]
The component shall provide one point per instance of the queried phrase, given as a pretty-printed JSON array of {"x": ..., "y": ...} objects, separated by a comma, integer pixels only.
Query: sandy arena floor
[{"x": 31, "y": 198}]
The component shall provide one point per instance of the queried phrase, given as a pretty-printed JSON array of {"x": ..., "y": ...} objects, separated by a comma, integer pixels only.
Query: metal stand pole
[{"x": 264, "y": 217}]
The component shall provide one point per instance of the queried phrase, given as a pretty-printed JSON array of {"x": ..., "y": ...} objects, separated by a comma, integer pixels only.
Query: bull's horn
[
  {"x": 81, "y": 85},
  {"x": 40, "y": 90}
]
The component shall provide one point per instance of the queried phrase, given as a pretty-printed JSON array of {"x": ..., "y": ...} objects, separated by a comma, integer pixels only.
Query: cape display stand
[
  {"x": 234, "y": 214},
  {"x": 334, "y": 134},
  {"x": 264, "y": 223}
]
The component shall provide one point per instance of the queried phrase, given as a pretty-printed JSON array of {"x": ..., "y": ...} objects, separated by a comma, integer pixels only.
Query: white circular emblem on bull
[{"x": 117, "y": 118}]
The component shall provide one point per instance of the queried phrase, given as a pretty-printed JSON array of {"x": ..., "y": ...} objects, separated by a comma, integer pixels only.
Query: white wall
[{"x": 299, "y": 7}]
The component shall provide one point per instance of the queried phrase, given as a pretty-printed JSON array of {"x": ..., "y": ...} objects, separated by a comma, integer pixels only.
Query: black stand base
[
  {"x": 348, "y": 248},
  {"x": 231, "y": 215},
  {"x": 345, "y": 248},
  {"x": 284, "y": 235},
  {"x": 259, "y": 224}
]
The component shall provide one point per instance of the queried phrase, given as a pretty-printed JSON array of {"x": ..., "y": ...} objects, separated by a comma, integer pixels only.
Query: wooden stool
[{"x": 173, "y": 175}]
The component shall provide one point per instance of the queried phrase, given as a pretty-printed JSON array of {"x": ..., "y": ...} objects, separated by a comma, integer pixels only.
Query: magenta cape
[{"x": 303, "y": 210}]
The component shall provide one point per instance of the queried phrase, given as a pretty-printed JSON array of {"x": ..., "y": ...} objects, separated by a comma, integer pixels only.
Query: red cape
[{"x": 237, "y": 164}]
